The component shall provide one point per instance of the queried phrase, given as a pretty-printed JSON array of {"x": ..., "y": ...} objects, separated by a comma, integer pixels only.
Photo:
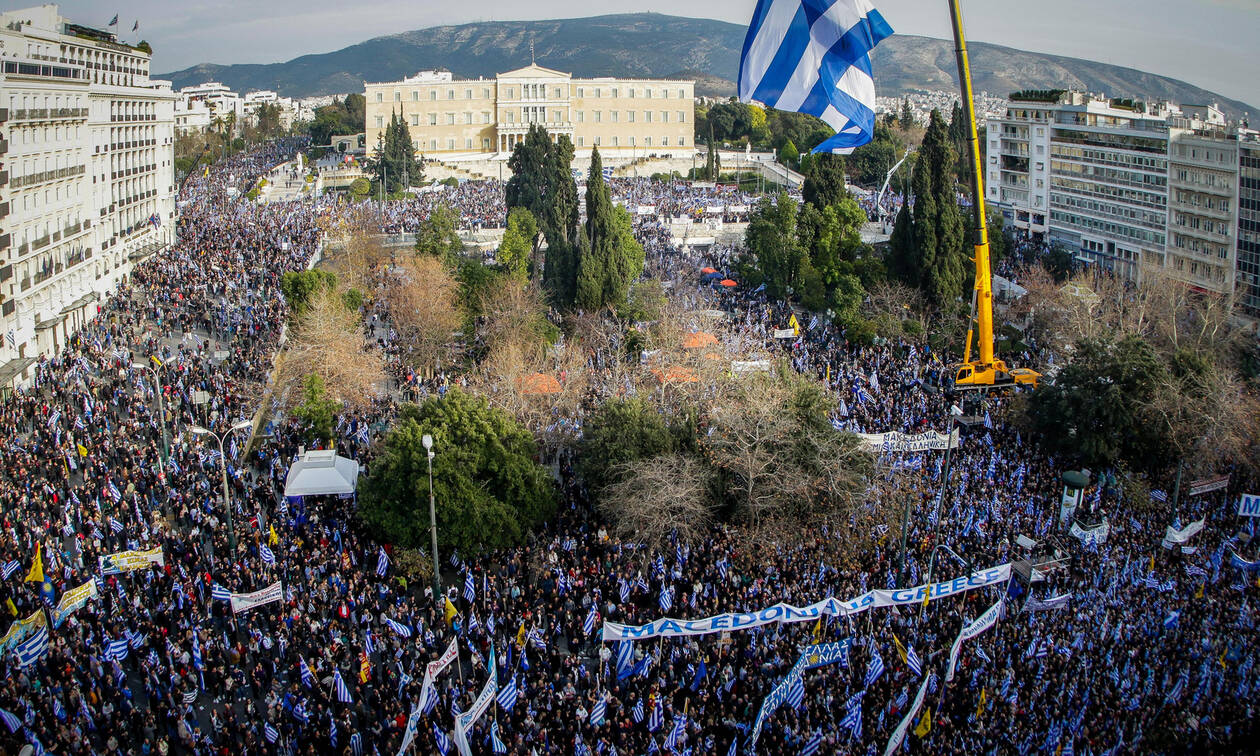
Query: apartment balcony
[
  {"x": 5, "y": 240},
  {"x": 4, "y": 115},
  {"x": 4, "y": 146},
  {"x": 54, "y": 175},
  {"x": 4, "y": 178},
  {"x": 4, "y": 210},
  {"x": 49, "y": 114}
]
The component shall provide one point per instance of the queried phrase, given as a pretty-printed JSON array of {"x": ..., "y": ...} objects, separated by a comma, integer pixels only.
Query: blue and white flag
[
  {"x": 666, "y": 599},
  {"x": 382, "y": 563},
  {"x": 398, "y": 627},
  {"x": 265, "y": 553},
  {"x": 625, "y": 659},
  {"x": 270, "y": 733},
  {"x": 10, "y": 568},
  {"x": 442, "y": 740},
  {"x": 117, "y": 650},
  {"x": 873, "y": 670},
  {"x": 588, "y": 625},
  {"x": 219, "y": 593},
  {"x": 495, "y": 743},
  {"x": 813, "y": 744},
  {"x": 637, "y": 711},
  {"x": 10, "y": 720},
  {"x": 33, "y": 648},
  {"x": 343, "y": 692},
  {"x": 813, "y": 56},
  {"x": 597, "y": 711},
  {"x": 470, "y": 588},
  {"x": 508, "y": 694},
  {"x": 308, "y": 677}
]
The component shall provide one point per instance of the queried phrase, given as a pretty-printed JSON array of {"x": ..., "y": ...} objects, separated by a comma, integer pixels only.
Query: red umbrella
[
  {"x": 728, "y": 283},
  {"x": 706, "y": 271}
]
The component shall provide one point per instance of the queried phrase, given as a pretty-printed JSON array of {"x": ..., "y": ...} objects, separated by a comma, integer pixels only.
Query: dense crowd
[{"x": 1154, "y": 650}]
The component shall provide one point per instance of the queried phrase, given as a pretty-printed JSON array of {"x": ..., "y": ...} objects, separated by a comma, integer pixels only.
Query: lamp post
[
  {"x": 954, "y": 412},
  {"x": 931, "y": 562},
  {"x": 157, "y": 389},
  {"x": 227, "y": 504},
  {"x": 427, "y": 440}
]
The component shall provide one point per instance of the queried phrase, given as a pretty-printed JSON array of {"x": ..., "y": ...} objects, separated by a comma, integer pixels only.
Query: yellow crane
[{"x": 986, "y": 371}]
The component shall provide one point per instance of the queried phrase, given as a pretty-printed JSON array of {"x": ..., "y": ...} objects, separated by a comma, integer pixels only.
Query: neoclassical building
[{"x": 449, "y": 116}]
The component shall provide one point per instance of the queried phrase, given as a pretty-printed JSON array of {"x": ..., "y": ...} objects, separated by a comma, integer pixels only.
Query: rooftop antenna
[{"x": 531, "y": 51}]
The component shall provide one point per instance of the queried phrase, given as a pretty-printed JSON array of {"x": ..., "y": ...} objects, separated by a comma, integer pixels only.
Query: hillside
[{"x": 654, "y": 45}]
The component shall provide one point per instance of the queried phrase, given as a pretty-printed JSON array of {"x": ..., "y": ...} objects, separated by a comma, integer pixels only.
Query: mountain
[{"x": 654, "y": 45}]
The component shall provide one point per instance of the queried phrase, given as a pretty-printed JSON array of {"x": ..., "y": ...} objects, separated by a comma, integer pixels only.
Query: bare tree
[
  {"x": 328, "y": 341},
  {"x": 656, "y": 497},
  {"x": 422, "y": 297}
]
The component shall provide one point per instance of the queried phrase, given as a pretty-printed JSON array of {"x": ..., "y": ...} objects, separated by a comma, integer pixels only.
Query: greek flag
[
  {"x": 11, "y": 721},
  {"x": 308, "y": 677},
  {"x": 270, "y": 733},
  {"x": 470, "y": 588},
  {"x": 1159, "y": 495},
  {"x": 190, "y": 697},
  {"x": 495, "y": 743},
  {"x": 675, "y": 732},
  {"x": 588, "y": 626},
  {"x": 667, "y": 599},
  {"x": 873, "y": 670},
  {"x": 398, "y": 627},
  {"x": 219, "y": 593},
  {"x": 625, "y": 591},
  {"x": 382, "y": 563},
  {"x": 637, "y": 712},
  {"x": 813, "y": 744},
  {"x": 813, "y": 56},
  {"x": 625, "y": 658},
  {"x": 656, "y": 719},
  {"x": 443, "y": 742},
  {"x": 343, "y": 693},
  {"x": 265, "y": 553},
  {"x": 796, "y": 692},
  {"x": 912, "y": 661},
  {"x": 597, "y": 711},
  {"x": 507, "y": 694},
  {"x": 10, "y": 568},
  {"x": 853, "y": 716},
  {"x": 117, "y": 650},
  {"x": 30, "y": 650},
  {"x": 113, "y": 492}
]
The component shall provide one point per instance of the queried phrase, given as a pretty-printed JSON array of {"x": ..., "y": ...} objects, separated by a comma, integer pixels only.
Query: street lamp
[
  {"x": 931, "y": 561},
  {"x": 427, "y": 440},
  {"x": 227, "y": 504},
  {"x": 157, "y": 389},
  {"x": 954, "y": 412}
]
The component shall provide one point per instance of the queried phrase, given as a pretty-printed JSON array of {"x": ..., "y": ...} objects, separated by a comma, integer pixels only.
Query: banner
[
  {"x": 979, "y": 625},
  {"x": 413, "y": 726},
  {"x": 72, "y": 601},
  {"x": 1240, "y": 563},
  {"x": 811, "y": 657},
  {"x": 464, "y": 722},
  {"x": 1178, "y": 537},
  {"x": 20, "y": 629},
  {"x": 1208, "y": 485},
  {"x": 899, "y": 734},
  {"x": 784, "y": 333},
  {"x": 130, "y": 561},
  {"x": 902, "y": 442},
  {"x": 1249, "y": 506},
  {"x": 433, "y": 669},
  {"x": 1091, "y": 536},
  {"x": 785, "y": 613},
  {"x": 1037, "y": 605},
  {"x": 244, "y": 602}
]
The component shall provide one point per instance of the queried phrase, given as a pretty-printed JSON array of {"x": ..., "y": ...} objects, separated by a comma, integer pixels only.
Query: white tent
[{"x": 321, "y": 473}]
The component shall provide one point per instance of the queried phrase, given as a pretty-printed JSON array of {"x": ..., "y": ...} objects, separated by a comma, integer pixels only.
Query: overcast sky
[{"x": 1211, "y": 43}]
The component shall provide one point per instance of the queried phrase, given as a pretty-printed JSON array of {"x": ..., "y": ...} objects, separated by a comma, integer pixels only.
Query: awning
[
  {"x": 44, "y": 325},
  {"x": 322, "y": 473},
  {"x": 81, "y": 302},
  {"x": 14, "y": 368}
]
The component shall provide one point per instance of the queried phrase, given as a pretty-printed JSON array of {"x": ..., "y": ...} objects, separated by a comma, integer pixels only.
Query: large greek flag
[{"x": 813, "y": 56}]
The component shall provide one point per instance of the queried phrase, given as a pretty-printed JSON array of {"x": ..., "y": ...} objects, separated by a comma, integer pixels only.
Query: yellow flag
[
  {"x": 82, "y": 450},
  {"x": 520, "y": 635},
  {"x": 1151, "y": 568},
  {"x": 156, "y": 361},
  {"x": 925, "y": 724},
  {"x": 364, "y": 667},
  {"x": 794, "y": 325},
  {"x": 36, "y": 575},
  {"x": 1199, "y": 593},
  {"x": 273, "y": 539},
  {"x": 901, "y": 650},
  {"x": 8, "y": 603},
  {"x": 818, "y": 630},
  {"x": 207, "y": 173},
  {"x": 983, "y": 700},
  {"x": 451, "y": 611},
  {"x": 927, "y": 595},
  {"x": 1221, "y": 661}
]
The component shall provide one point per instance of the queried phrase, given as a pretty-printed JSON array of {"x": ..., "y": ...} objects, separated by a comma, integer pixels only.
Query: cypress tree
[{"x": 608, "y": 257}]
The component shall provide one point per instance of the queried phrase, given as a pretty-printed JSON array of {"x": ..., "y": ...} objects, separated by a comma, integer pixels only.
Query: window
[
  {"x": 682, "y": 116},
  {"x": 432, "y": 145},
  {"x": 433, "y": 119},
  {"x": 485, "y": 117},
  {"x": 581, "y": 142},
  {"x": 647, "y": 116},
  {"x": 682, "y": 94},
  {"x": 597, "y": 95},
  {"x": 647, "y": 93},
  {"x": 397, "y": 96},
  {"x": 468, "y": 144},
  {"x": 614, "y": 92},
  {"x": 468, "y": 118},
  {"x": 647, "y": 141},
  {"x": 450, "y": 94},
  {"x": 581, "y": 116},
  {"x": 485, "y": 94},
  {"x": 664, "y": 141},
  {"x": 664, "y": 116},
  {"x": 415, "y": 95},
  {"x": 415, "y": 119},
  {"x": 598, "y": 116},
  {"x": 468, "y": 95},
  {"x": 432, "y": 94},
  {"x": 450, "y": 119},
  {"x": 380, "y": 97},
  {"x": 380, "y": 122},
  {"x": 615, "y": 115},
  {"x": 581, "y": 91},
  {"x": 614, "y": 144},
  {"x": 596, "y": 141},
  {"x": 629, "y": 116},
  {"x": 450, "y": 144},
  {"x": 485, "y": 143}
]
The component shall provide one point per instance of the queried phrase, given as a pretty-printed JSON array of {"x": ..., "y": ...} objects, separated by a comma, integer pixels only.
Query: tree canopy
[{"x": 394, "y": 163}]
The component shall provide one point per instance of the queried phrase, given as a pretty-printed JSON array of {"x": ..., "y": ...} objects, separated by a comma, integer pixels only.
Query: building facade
[
  {"x": 449, "y": 116},
  {"x": 1202, "y": 208},
  {"x": 87, "y": 177},
  {"x": 1247, "y": 276}
]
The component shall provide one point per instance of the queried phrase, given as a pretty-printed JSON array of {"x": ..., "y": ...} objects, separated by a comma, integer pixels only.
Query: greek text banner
[
  {"x": 785, "y": 613},
  {"x": 243, "y": 602},
  {"x": 130, "y": 561},
  {"x": 901, "y": 442}
]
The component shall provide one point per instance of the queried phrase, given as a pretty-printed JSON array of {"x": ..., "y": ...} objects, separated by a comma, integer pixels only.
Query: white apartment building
[
  {"x": 1202, "y": 208},
  {"x": 86, "y": 177},
  {"x": 220, "y": 100}
]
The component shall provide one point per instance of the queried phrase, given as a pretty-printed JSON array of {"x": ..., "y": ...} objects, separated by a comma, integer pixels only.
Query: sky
[{"x": 1210, "y": 43}]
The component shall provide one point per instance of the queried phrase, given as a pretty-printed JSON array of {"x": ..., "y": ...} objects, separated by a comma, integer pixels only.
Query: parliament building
[{"x": 449, "y": 116}]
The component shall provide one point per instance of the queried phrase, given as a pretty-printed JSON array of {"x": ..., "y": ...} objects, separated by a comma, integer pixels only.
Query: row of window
[
  {"x": 1125, "y": 212},
  {"x": 1087, "y": 223},
  {"x": 532, "y": 114},
  {"x": 452, "y": 144},
  {"x": 536, "y": 92}
]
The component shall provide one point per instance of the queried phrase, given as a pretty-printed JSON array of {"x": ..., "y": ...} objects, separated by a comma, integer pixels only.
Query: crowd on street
[{"x": 1120, "y": 645}]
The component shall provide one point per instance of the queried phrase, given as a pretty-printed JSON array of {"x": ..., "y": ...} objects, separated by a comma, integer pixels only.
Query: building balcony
[
  {"x": 54, "y": 175},
  {"x": 4, "y": 146},
  {"x": 4, "y": 178},
  {"x": 4, "y": 210},
  {"x": 5, "y": 240}
]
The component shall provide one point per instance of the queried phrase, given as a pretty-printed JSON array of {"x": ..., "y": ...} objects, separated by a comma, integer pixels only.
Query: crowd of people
[{"x": 1120, "y": 645}]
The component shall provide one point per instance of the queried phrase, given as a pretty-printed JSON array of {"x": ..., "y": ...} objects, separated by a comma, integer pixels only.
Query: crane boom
[{"x": 986, "y": 370}]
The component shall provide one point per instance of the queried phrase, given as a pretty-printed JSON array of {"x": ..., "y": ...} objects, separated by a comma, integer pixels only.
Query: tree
[
  {"x": 772, "y": 240},
  {"x": 656, "y": 499},
  {"x": 517, "y": 243},
  {"x": 837, "y": 238},
  {"x": 906, "y": 119},
  {"x": 870, "y": 163},
  {"x": 824, "y": 181},
  {"x": 1093, "y": 410},
  {"x": 394, "y": 164},
  {"x": 328, "y": 341},
  {"x": 360, "y": 188},
  {"x": 317, "y": 412},
  {"x": 423, "y": 299},
  {"x": 543, "y": 184},
  {"x": 614, "y": 258},
  {"x": 298, "y": 288},
  {"x": 788, "y": 154},
  {"x": 439, "y": 234},
  {"x": 621, "y": 432},
  {"x": 927, "y": 244},
  {"x": 489, "y": 491}
]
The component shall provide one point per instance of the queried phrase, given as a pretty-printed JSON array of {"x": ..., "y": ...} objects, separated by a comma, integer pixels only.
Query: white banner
[
  {"x": 1094, "y": 535},
  {"x": 433, "y": 669},
  {"x": 979, "y": 625},
  {"x": 1208, "y": 485},
  {"x": 786, "y": 613},
  {"x": 784, "y": 333},
  {"x": 72, "y": 601},
  {"x": 1178, "y": 537},
  {"x": 464, "y": 722},
  {"x": 901, "y": 442},
  {"x": 899, "y": 734},
  {"x": 748, "y": 366},
  {"x": 129, "y": 561},
  {"x": 713, "y": 210},
  {"x": 244, "y": 602},
  {"x": 647, "y": 210},
  {"x": 1249, "y": 506}
]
